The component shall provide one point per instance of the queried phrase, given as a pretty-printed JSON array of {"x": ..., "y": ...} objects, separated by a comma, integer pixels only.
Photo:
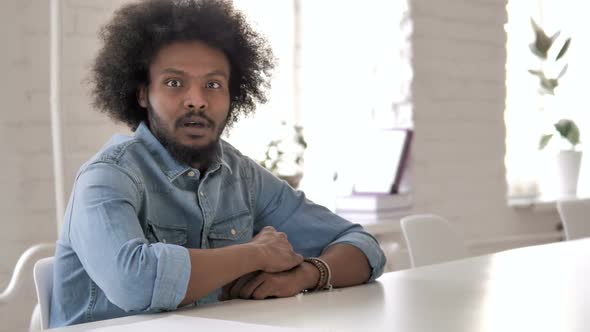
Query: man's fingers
[
  {"x": 265, "y": 290},
  {"x": 269, "y": 229},
  {"x": 235, "y": 290},
  {"x": 252, "y": 285},
  {"x": 295, "y": 260},
  {"x": 225, "y": 291},
  {"x": 299, "y": 258}
]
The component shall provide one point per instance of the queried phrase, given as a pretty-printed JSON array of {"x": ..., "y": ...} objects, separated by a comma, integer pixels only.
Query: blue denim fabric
[{"x": 134, "y": 210}]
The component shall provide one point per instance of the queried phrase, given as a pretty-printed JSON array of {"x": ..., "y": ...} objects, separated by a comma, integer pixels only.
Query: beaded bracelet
[{"x": 325, "y": 273}]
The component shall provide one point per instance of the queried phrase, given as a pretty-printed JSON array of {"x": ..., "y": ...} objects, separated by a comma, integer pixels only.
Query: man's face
[{"x": 188, "y": 99}]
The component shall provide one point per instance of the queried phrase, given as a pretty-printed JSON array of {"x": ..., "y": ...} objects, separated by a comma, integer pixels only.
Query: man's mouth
[{"x": 196, "y": 123}]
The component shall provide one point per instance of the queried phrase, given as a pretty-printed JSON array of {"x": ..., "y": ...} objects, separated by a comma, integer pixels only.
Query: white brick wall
[
  {"x": 26, "y": 179},
  {"x": 459, "y": 91},
  {"x": 84, "y": 129}
]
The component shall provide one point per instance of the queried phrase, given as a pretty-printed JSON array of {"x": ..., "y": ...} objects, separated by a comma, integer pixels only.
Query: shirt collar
[{"x": 170, "y": 166}]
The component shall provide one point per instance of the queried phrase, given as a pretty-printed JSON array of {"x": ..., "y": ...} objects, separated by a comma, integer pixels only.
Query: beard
[{"x": 190, "y": 155}]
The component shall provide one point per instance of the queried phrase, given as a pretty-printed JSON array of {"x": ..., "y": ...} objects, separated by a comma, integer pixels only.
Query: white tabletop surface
[{"x": 541, "y": 288}]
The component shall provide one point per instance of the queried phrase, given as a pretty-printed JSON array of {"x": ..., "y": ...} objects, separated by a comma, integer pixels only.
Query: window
[
  {"x": 344, "y": 72},
  {"x": 530, "y": 172},
  {"x": 275, "y": 20}
]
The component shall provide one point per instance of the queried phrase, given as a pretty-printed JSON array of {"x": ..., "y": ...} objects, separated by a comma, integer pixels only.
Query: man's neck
[{"x": 202, "y": 167}]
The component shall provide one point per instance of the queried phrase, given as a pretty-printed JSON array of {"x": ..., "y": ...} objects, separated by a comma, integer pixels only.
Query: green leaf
[
  {"x": 536, "y": 52},
  {"x": 548, "y": 85},
  {"x": 564, "y": 49},
  {"x": 542, "y": 42},
  {"x": 568, "y": 130},
  {"x": 301, "y": 141},
  {"x": 544, "y": 141},
  {"x": 537, "y": 72},
  {"x": 563, "y": 71}
]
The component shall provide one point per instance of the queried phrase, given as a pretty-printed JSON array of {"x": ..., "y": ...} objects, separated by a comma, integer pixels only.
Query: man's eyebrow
[
  {"x": 173, "y": 71},
  {"x": 179, "y": 72},
  {"x": 218, "y": 73}
]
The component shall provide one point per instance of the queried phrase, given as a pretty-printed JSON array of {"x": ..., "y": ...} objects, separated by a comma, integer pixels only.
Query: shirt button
[
  {"x": 164, "y": 240},
  {"x": 191, "y": 174},
  {"x": 202, "y": 193},
  {"x": 233, "y": 231}
]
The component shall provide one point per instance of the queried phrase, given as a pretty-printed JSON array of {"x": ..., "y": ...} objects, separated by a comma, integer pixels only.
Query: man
[{"x": 174, "y": 216}]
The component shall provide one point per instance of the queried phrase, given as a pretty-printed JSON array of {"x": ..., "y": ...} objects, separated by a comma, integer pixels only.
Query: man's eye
[
  {"x": 173, "y": 83},
  {"x": 213, "y": 85}
]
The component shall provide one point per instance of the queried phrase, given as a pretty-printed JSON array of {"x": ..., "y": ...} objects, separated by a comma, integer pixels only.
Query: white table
[{"x": 542, "y": 288}]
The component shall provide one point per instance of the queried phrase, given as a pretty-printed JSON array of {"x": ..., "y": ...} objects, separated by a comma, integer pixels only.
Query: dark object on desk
[{"x": 403, "y": 162}]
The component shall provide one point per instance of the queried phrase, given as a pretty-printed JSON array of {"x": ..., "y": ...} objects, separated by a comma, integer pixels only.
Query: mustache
[{"x": 190, "y": 115}]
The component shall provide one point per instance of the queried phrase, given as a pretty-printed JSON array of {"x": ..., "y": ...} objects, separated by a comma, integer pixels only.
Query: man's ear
[{"x": 142, "y": 96}]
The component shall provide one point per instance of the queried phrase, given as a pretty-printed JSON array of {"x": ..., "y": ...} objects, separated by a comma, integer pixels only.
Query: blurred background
[{"x": 455, "y": 72}]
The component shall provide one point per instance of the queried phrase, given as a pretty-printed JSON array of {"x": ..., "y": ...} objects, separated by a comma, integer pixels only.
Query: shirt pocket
[
  {"x": 172, "y": 234},
  {"x": 236, "y": 229}
]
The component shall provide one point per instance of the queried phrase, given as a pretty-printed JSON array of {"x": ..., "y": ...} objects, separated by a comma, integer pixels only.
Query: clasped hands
[{"x": 282, "y": 271}]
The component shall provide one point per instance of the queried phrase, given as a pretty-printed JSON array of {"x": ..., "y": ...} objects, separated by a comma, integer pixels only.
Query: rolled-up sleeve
[
  {"x": 368, "y": 245},
  {"x": 107, "y": 237},
  {"x": 311, "y": 228}
]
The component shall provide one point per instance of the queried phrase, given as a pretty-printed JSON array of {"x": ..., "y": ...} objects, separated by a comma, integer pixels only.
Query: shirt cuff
[
  {"x": 172, "y": 276},
  {"x": 370, "y": 247}
]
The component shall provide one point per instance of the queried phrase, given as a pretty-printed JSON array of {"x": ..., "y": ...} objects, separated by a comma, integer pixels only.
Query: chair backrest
[
  {"x": 575, "y": 216},
  {"x": 431, "y": 239},
  {"x": 43, "y": 276}
]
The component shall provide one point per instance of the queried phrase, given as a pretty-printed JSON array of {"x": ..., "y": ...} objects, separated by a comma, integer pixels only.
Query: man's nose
[{"x": 196, "y": 98}]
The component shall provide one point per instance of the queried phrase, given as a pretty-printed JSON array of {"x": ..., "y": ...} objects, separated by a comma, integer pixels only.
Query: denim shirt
[{"x": 134, "y": 211}]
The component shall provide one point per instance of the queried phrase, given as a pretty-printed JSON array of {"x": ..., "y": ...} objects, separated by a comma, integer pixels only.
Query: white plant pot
[{"x": 568, "y": 171}]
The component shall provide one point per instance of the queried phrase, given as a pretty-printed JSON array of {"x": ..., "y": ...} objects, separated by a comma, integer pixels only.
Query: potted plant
[
  {"x": 568, "y": 159},
  {"x": 284, "y": 155}
]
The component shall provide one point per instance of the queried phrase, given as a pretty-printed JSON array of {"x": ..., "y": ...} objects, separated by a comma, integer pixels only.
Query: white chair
[
  {"x": 43, "y": 276},
  {"x": 575, "y": 216},
  {"x": 431, "y": 239},
  {"x": 22, "y": 268}
]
